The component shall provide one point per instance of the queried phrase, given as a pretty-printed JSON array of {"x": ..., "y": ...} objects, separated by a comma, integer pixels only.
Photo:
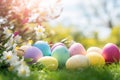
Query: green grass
[{"x": 108, "y": 72}]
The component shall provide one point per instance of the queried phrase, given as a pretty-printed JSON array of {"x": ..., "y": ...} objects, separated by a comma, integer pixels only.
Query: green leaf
[{"x": 28, "y": 60}]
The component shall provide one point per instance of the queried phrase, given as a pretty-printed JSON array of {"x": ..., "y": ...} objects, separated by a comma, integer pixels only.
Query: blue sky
[{"x": 81, "y": 13}]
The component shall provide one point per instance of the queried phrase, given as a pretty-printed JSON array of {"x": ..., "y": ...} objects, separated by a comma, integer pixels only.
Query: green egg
[{"x": 61, "y": 53}]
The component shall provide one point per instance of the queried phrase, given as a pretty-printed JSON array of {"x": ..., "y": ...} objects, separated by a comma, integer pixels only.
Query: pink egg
[
  {"x": 76, "y": 49},
  {"x": 111, "y": 53},
  {"x": 33, "y": 53},
  {"x": 56, "y": 44}
]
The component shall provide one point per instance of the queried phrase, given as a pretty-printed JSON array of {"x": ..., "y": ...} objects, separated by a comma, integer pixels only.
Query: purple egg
[
  {"x": 33, "y": 53},
  {"x": 56, "y": 44},
  {"x": 111, "y": 53},
  {"x": 76, "y": 49}
]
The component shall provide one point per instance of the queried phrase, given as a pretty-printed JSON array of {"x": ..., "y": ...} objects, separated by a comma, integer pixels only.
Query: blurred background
[{"x": 92, "y": 22}]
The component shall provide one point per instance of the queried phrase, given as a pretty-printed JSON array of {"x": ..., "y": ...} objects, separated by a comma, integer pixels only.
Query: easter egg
[
  {"x": 44, "y": 47},
  {"x": 55, "y": 45},
  {"x": 95, "y": 59},
  {"x": 76, "y": 49},
  {"x": 94, "y": 49},
  {"x": 33, "y": 53},
  {"x": 49, "y": 62},
  {"x": 111, "y": 53},
  {"x": 21, "y": 51},
  {"x": 77, "y": 62},
  {"x": 61, "y": 53}
]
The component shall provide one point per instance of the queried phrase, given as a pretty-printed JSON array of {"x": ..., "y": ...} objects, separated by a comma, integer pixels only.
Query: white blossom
[
  {"x": 7, "y": 56},
  {"x": 7, "y": 32},
  {"x": 10, "y": 56},
  {"x": 9, "y": 43},
  {"x": 3, "y": 20},
  {"x": 17, "y": 38},
  {"x": 23, "y": 70},
  {"x": 39, "y": 31}
]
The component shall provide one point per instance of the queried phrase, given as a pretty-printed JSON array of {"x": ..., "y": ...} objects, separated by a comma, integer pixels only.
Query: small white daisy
[
  {"x": 7, "y": 32},
  {"x": 23, "y": 70},
  {"x": 7, "y": 56},
  {"x": 39, "y": 30}
]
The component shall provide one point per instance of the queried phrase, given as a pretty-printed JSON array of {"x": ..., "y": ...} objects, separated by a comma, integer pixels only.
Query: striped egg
[{"x": 77, "y": 62}]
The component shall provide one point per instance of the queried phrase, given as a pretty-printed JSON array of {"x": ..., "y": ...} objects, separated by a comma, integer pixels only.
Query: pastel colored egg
[
  {"x": 56, "y": 44},
  {"x": 61, "y": 53},
  {"x": 77, "y": 62},
  {"x": 94, "y": 49},
  {"x": 76, "y": 49},
  {"x": 33, "y": 53},
  {"x": 111, "y": 53},
  {"x": 49, "y": 62},
  {"x": 21, "y": 51},
  {"x": 44, "y": 47},
  {"x": 95, "y": 59}
]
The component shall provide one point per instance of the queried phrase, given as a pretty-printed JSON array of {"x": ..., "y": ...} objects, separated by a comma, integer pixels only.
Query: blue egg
[{"x": 44, "y": 47}]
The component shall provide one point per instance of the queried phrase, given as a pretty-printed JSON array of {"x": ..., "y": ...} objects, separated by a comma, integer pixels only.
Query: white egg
[{"x": 77, "y": 62}]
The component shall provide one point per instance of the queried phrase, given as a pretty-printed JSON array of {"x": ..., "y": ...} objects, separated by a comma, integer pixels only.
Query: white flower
[
  {"x": 16, "y": 64},
  {"x": 23, "y": 70},
  {"x": 3, "y": 20},
  {"x": 7, "y": 56},
  {"x": 39, "y": 30},
  {"x": 11, "y": 58},
  {"x": 7, "y": 32},
  {"x": 14, "y": 61},
  {"x": 17, "y": 38},
  {"x": 10, "y": 43}
]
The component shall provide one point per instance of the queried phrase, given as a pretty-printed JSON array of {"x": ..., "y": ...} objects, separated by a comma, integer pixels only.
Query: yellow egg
[
  {"x": 95, "y": 59},
  {"x": 49, "y": 62},
  {"x": 77, "y": 62}
]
